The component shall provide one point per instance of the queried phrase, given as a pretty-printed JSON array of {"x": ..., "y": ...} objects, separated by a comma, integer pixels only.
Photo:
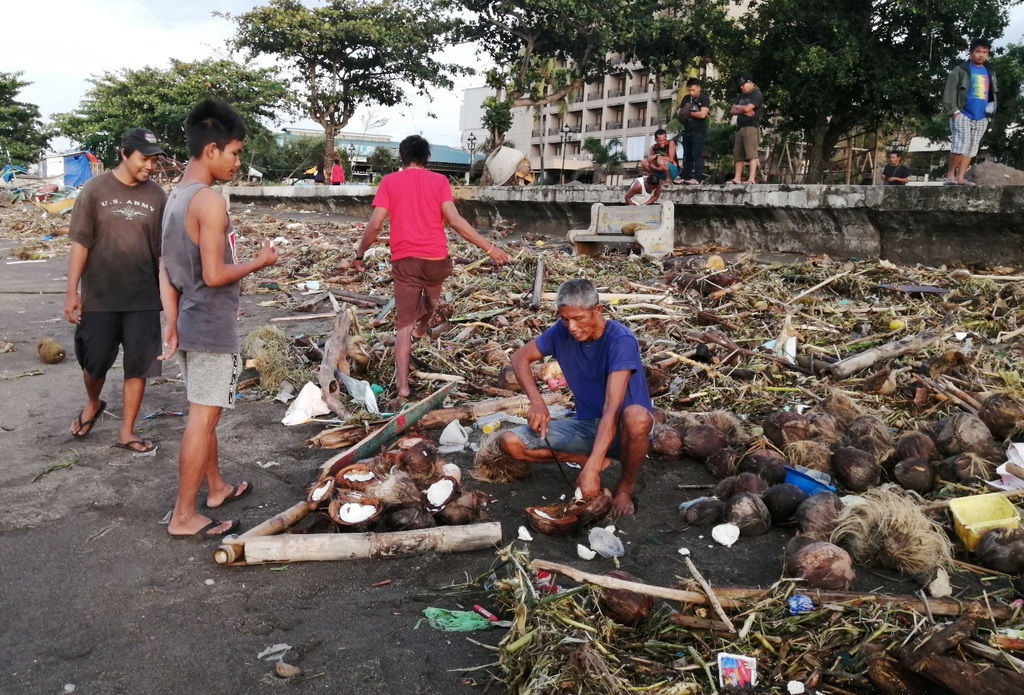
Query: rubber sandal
[
  {"x": 730, "y": 182},
  {"x": 968, "y": 183},
  {"x": 202, "y": 534},
  {"x": 950, "y": 182},
  {"x": 143, "y": 447},
  {"x": 235, "y": 494},
  {"x": 88, "y": 423}
]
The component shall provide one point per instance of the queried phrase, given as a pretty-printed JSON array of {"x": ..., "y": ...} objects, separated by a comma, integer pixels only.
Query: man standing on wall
[
  {"x": 748, "y": 109},
  {"x": 693, "y": 113},
  {"x": 968, "y": 100},
  {"x": 115, "y": 251}
]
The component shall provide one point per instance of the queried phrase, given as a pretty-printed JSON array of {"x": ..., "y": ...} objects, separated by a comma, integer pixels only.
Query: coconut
[
  {"x": 736, "y": 484},
  {"x": 766, "y": 464},
  {"x": 729, "y": 425},
  {"x": 1002, "y": 550},
  {"x": 419, "y": 460},
  {"x": 467, "y": 508},
  {"x": 358, "y": 476},
  {"x": 855, "y": 470},
  {"x": 50, "y": 351},
  {"x": 623, "y": 606},
  {"x": 319, "y": 495},
  {"x": 396, "y": 490},
  {"x": 451, "y": 470},
  {"x": 966, "y": 468},
  {"x": 441, "y": 492},
  {"x": 507, "y": 379},
  {"x": 493, "y": 465},
  {"x": 966, "y": 433},
  {"x": 683, "y": 422},
  {"x": 667, "y": 442},
  {"x": 841, "y": 407},
  {"x": 593, "y": 510},
  {"x": 810, "y": 454},
  {"x": 816, "y": 516},
  {"x": 915, "y": 474},
  {"x": 782, "y": 501},
  {"x": 704, "y": 440},
  {"x": 747, "y": 511},
  {"x": 820, "y": 564},
  {"x": 354, "y": 510},
  {"x": 406, "y": 443},
  {"x": 723, "y": 463},
  {"x": 784, "y": 427},
  {"x": 551, "y": 520},
  {"x": 707, "y": 511},
  {"x": 824, "y": 427},
  {"x": 1003, "y": 416},
  {"x": 888, "y": 530},
  {"x": 409, "y": 518},
  {"x": 915, "y": 445},
  {"x": 870, "y": 434}
]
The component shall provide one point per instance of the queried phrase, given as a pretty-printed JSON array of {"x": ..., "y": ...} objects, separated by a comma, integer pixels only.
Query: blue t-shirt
[
  {"x": 586, "y": 366},
  {"x": 977, "y": 94}
]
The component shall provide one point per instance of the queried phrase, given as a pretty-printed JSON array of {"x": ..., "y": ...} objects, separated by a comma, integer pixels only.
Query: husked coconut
[
  {"x": 723, "y": 463},
  {"x": 816, "y": 516},
  {"x": 810, "y": 454},
  {"x": 1002, "y": 549},
  {"x": 467, "y": 508},
  {"x": 870, "y": 434},
  {"x": 765, "y": 464},
  {"x": 704, "y": 440},
  {"x": 821, "y": 565},
  {"x": 965, "y": 433},
  {"x": 841, "y": 407},
  {"x": 915, "y": 445},
  {"x": 824, "y": 427},
  {"x": 1003, "y": 415},
  {"x": 419, "y": 460},
  {"x": 748, "y": 513},
  {"x": 667, "y": 442},
  {"x": 707, "y": 511},
  {"x": 736, "y": 484},
  {"x": 624, "y": 606},
  {"x": 729, "y": 425},
  {"x": 855, "y": 470},
  {"x": 782, "y": 502},
  {"x": 915, "y": 474},
  {"x": 966, "y": 468},
  {"x": 409, "y": 519},
  {"x": 784, "y": 427}
]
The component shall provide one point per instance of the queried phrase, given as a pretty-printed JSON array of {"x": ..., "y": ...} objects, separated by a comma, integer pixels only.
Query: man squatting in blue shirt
[{"x": 601, "y": 362}]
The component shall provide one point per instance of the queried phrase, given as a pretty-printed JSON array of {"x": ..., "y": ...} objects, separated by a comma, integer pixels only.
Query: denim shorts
[{"x": 567, "y": 436}]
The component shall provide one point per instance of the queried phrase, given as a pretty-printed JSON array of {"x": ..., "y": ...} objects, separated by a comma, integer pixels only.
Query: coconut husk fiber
[
  {"x": 888, "y": 531},
  {"x": 729, "y": 425},
  {"x": 493, "y": 465},
  {"x": 824, "y": 427},
  {"x": 841, "y": 407},
  {"x": 810, "y": 454},
  {"x": 274, "y": 358}
]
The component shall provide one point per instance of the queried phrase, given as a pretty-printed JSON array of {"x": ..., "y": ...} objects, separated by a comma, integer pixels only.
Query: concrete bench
[{"x": 607, "y": 221}]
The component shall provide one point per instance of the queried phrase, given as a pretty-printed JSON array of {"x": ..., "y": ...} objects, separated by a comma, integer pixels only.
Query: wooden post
[{"x": 850, "y": 365}]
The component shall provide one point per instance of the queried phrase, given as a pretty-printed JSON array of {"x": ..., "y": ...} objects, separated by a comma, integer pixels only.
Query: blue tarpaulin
[
  {"x": 76, "y": 169},
  {"x": 9, "y": 171}
]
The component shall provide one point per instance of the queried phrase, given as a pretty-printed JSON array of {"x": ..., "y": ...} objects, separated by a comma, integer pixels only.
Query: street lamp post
[
  {"x": 471, "y": 141},
  {"x": 566, "y": 130},
  {"x": 351, "y": 161}
]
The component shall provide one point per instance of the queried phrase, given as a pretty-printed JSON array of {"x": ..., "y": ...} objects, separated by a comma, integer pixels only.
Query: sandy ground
[{"x": 96, "y": 595}]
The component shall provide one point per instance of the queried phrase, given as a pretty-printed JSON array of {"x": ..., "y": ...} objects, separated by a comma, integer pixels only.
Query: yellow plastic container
[{"x": 975, "y": 516}]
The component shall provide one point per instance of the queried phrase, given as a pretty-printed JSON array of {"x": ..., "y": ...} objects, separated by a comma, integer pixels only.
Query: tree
[
  {"x": 607, "y": 158},
  {"x": 279, "y": 161},
  {"x": 21, "y": 132},
  {"x": 830, "y": 69},
  {"x": 383, "y": 161},
  {"x": 350, "y": 53},
  {"x": 160, "y": 99}
]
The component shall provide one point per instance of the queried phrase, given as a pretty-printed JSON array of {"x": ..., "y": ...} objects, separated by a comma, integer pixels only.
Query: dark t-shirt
[
  {"x": 900, "y": 171},
  {"x": 691, "y": 105},
  {"x": 586, "y": 366},
  {"x": 752, "y": 97},
  {"x": 120, "y": 225}
]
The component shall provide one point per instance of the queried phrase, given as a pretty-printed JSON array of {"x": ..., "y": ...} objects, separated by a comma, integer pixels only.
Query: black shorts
[{"x": 100, "y": 333}]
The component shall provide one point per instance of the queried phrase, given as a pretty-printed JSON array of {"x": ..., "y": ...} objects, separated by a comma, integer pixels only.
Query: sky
[{"x": 58, "y": 48}]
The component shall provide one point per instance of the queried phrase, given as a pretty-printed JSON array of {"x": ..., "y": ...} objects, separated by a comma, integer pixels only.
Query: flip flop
[
  {"x": 144, "y": 446},
  {"x": 968, "y": 183},
  {"x": 88, "y": 423},
  {"x": 950, "y": 182},
  {"x": 235, "y": 494},
  {"x": 202, "y": 534},
  {"x": 730, "y": 182}
]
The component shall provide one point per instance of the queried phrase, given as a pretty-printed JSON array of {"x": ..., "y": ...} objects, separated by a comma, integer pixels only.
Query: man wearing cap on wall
[
  {"x": 748, "y": 109},
  {"x": 115, "y": 251}
]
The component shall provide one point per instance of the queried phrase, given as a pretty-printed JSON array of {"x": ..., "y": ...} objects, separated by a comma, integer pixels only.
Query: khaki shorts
[
  {"x": 210, "y": 377},
  {"x": 744, "y": 148},
  {"x": 418, "y": 288}
]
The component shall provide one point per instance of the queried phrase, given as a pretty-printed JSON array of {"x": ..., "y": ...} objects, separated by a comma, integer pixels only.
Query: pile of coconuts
[
  {"x": 838, "y": 438},
  {"x": 404, "y": 489}
]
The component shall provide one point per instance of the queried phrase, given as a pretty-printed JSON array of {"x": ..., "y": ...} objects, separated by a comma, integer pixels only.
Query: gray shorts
[
  {"x": 210, "y": 377},
  {"x": 567, "y": 436}
]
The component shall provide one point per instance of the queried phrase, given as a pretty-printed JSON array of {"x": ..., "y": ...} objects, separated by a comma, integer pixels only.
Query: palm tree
[{"x": 607, "y": 158}]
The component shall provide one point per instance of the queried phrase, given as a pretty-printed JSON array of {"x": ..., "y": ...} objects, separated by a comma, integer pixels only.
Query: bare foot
[{"x": 622, "y": 504}]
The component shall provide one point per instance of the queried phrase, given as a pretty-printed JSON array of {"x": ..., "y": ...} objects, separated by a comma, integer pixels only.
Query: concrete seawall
[{"x": 932, "y": 225}]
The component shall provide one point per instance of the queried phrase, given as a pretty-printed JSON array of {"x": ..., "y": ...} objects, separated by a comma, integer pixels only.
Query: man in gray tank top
[{"x": 199, "y": 289}]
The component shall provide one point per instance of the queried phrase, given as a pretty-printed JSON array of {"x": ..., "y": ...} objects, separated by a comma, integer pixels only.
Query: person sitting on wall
[
  {"x": 600, "y": 360},
  {"x": 645, "y": 190},
  {"x": 895, "y": 172},
  {"x": 661, "y": 161}
]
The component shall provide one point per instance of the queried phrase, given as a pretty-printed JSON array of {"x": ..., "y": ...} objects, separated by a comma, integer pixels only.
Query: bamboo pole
[
  {"x": 862, "y": 360},
  {"x": 471, "y": 411},
  {"x": 233, "y": 548},
  {"x": 607, "y": 297}
]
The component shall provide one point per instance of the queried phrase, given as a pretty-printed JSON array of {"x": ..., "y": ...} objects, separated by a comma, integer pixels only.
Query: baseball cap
[
  {"x": 141, "y": 140},
  {"x": 743, "y": 79}
]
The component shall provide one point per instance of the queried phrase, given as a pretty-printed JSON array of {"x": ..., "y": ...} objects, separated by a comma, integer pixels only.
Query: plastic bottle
[{"x": 490, "y": 423}]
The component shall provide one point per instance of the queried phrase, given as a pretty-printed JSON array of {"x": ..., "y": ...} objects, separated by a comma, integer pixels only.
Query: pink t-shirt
[
  {"x": 337, "y": 174},
  {"x": 413, "y": 199}
]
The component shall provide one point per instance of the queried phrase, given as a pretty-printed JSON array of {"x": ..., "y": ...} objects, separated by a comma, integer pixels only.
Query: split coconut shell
[
  {"x": 593, "y": 510},
  {"x": 855, "y": 470},
  {"x": 816, "y": 517},
  {"x": 782, "y": 501},
  {"x": 354, "y": 510},
  {"x": 551, "y": 520},
  {"x": 623, "y": 606},
  {"x": 441, "y": 492},
  {"x": 748, "y": 512},
  {"x": 703, "y": 441},
  {"x": 50, "y": 351},
  {"x": 358, "y": 476},
  {"x": 821, "y": 565},
  {"x": 319, "y": 494},
  {"x": 1002, "y": 550},
  {"x": 784, "y": 427},
  {"x": 1003, "y": 415},
  {"x": 915, "y": 474}
]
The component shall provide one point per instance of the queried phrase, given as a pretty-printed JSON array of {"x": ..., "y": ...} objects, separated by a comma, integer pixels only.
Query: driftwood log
[
  {"x": 862, "y": 360},
  {"x": 336, "y": 358},
  {"x": 515, "y": 405}
]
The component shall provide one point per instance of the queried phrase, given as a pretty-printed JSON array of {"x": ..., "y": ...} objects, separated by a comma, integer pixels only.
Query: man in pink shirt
[
  {"x": 337, "y": 173},
  {"x": 419, "y": 203}
]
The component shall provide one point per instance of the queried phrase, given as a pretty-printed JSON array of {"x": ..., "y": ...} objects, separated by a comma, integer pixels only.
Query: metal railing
[
  {"x": 639, "y": 88},
  {"x": 659, "y": 120},
  {"x": 635, "y": 123},
  {"x": 591, "y": 96},
  {"x": 591, "y": 127},
  {"x": 535, "y": 133},
  {"x": 613, "y": 125},
  {"x": 612, "y": 93}
]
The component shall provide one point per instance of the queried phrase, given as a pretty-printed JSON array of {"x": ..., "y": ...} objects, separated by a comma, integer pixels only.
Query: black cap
[
  {"x": 141, "y": 140},
  {"x": 743, "y": 79}
]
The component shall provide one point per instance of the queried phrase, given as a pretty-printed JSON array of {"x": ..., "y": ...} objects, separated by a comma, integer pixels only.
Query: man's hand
[
  {"x": 499, "y": 257},
  {"x": 170, "y": 343},
  {"x": 357, "y": 265},
  {"x": 268, "y": 254},
  {"x": 73, "y": 308},
  {"x": 589, "y": 481},
  {"x": 538, "y": 417},
  {"x": 955, "y": 115}
]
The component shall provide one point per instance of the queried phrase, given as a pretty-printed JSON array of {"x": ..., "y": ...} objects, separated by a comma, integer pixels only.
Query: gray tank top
[{"x": 207, "y": 316}]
